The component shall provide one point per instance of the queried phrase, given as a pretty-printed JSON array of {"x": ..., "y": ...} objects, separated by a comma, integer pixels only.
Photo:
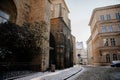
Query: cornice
[{"x": 102, "y": 8}]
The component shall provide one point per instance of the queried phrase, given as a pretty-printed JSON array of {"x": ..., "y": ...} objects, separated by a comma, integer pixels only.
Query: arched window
[
  {"x": 3, "y": 17},
  {"x": 114, "y": 56},
  {"x": 107, "y": 57}
]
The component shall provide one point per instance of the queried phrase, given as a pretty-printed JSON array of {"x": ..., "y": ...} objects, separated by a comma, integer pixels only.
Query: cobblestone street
[{"x": 98, "y": 73}]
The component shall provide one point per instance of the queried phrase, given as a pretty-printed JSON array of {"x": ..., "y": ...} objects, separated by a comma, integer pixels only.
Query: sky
[{"x": 80, "y": 13}]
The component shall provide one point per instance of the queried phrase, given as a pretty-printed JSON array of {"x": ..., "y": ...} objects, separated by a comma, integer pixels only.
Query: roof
[{"x": 102, "y": 8}]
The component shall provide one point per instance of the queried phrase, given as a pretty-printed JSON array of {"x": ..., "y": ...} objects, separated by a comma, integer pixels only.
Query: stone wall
[
  {"x": 36, "y": 13},
  {"x": 63, "y": 39}
]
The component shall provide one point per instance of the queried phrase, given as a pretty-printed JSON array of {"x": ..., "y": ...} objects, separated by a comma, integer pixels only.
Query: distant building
[
  {"x": 81, "y": 54},
  {"x": 104, "y": 42}
]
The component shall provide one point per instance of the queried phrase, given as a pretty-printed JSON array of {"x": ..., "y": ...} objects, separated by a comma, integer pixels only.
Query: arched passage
[
  {"x": 8, "y": 12},
  {"x": 8, "y": 7},
  {"x": 52, "y": 50}
]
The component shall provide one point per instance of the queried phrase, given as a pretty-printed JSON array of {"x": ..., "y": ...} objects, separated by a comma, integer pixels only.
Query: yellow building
[{"x": 104, "y": 42}]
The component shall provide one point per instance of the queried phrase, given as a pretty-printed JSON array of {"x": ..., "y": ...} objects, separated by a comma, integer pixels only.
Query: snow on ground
[{"x": 57, "y": 75}]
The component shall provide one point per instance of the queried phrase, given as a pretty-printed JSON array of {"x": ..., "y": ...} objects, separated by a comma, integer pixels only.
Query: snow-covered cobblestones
[{"x": 99, "y": 73}]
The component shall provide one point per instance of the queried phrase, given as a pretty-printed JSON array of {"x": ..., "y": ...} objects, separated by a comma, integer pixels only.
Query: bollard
[{"x": 52, "y": 68}]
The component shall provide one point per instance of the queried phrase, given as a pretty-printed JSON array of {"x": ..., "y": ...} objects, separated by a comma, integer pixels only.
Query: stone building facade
[
  {"x": 50, "y": 19},
  {"x": 104, "y": 42},
  {"x": 74, "y": 49},
  {"x": 34, "y": 12},
  {"x": 61, "y": 34}
]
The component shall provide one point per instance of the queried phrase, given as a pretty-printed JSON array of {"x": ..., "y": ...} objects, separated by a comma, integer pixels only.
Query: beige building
[
  {"x": 89, "y": 51},
  {"x": 104, "y": 42}
]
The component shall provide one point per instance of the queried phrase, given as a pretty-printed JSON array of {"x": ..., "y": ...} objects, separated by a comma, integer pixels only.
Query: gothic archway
[
  {"x": 52, "y": 58},
  {"x": 8, "y": 12},
  {"x": 9, "y": 7}
]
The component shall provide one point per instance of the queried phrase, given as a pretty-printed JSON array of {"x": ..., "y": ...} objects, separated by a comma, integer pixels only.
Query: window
[
  {"x": 104, "y": 29},
  {"x": 102, "y": 17},
  {"x": 110, "y": 29},
  {"x": 114, "y": 56},
  {"x": 117, "y": 15},
  {"x": 118, "y": 27},
  {"x": 3, "y": 17},
  {"x": 108, "y": 17},
  {"x": 112, "y": 40},
  {"x": 107, "y": 57},
  {"x": 105, "y": 42}
]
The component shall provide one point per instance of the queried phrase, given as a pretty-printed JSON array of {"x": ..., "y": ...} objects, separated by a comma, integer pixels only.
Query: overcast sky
[{"x": 80, "y": 13}]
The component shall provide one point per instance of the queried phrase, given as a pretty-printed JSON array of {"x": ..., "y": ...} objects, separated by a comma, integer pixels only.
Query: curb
[{"x": 73, "y": 74}]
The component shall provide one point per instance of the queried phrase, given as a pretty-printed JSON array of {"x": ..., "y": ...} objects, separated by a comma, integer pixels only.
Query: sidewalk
[{"x": 57, "y": 75}]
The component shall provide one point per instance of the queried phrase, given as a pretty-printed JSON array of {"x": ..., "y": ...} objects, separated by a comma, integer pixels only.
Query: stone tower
[{"x": 60, "y": 35}]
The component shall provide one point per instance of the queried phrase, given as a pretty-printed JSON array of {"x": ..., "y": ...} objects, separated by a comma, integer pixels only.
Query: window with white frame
[
  {"x": 108, "y": 17},
  {"x": 117, "y": 15},
  {"x": 112, "y": 40},
  {"x": 118, "y": 27},
  {"x": 105, "y": 42},
  {"x": 104, "y": 29},
  {"x": 3, "y": 17},
  {"x": 101, "y": 17},
  {"x": 110, "y": 28}
]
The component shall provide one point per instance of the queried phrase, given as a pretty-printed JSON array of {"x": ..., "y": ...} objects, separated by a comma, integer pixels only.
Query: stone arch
[{"x": 9, "y": 7}]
